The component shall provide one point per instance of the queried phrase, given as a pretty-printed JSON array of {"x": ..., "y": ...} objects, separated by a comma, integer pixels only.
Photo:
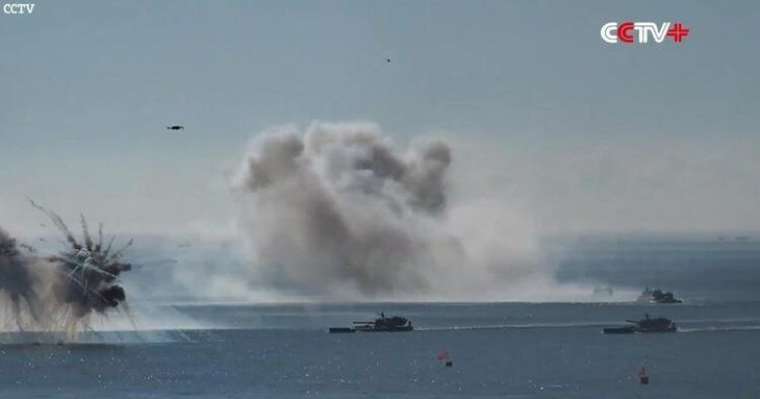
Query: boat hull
[
  {"x": 619, "y": 330},
  {"x": 341, "y": 330},
  {"x": 376, "y": 329},
  {"x": 632, "y": 330},
  {"x": 652, "y": 331}
]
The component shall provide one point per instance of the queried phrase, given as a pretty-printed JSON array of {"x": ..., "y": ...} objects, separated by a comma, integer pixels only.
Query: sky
[{"x": 577, "y": 134}]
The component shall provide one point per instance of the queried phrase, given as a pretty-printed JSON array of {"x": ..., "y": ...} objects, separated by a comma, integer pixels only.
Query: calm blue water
[{"x": 504, "y": 350}]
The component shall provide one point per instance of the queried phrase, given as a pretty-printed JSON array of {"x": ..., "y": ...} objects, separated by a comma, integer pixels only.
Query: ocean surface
[{"x": 499, "y": 350}]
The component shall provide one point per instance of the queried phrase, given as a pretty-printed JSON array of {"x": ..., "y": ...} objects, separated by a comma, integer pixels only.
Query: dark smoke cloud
[
  {"x": 339, "y": 211},
  {"x": 60, "y": 291},
  {"x": 17, "y": 281}
]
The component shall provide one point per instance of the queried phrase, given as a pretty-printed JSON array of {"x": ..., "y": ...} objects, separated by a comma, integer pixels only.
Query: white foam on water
[{"x": 94, "y": 338}]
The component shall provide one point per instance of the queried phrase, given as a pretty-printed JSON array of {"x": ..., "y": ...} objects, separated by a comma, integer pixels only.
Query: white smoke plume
[{"x": 338, "y": 211}]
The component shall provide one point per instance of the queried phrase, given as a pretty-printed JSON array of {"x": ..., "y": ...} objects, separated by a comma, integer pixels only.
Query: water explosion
[
  {"x": 338, "y": 212},
  {"x": 59, "y": 292}
]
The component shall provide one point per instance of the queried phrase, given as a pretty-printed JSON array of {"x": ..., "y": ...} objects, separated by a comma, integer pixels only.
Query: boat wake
[
  {"x": 518, "y": 326},
  {"x": 719, "y": 329},
  {"x": 685, "y": 326}
]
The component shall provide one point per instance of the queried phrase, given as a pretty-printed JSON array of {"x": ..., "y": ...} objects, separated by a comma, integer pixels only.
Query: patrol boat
[
  {"x": 645, "y": 325},
  {"x": 657, "y": 296},
  {"x": 381, "y": 324}
]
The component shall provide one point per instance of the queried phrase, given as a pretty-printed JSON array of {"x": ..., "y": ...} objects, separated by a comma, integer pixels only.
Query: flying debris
[
  {"x": 175, "y": 127},
  {"x": 60, "y": 291},
  {"x": 90, "y": 269}
]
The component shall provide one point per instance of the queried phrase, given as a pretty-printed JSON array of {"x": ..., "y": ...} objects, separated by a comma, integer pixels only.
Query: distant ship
[
  {"x": 645, "y": 325},
  {"x": 657, "y": 296},
  {"x": 381, "y": 324}
]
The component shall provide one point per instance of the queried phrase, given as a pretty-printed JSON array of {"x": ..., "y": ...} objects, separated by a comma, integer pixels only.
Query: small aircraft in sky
[{"x": 175, "y": 127}]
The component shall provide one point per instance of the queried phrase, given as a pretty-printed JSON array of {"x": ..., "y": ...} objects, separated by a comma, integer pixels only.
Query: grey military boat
[
  {"x": 381, "y": 324},
  {"x": 657, "y": 296},
  {"x": 645, "y": 325}
]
